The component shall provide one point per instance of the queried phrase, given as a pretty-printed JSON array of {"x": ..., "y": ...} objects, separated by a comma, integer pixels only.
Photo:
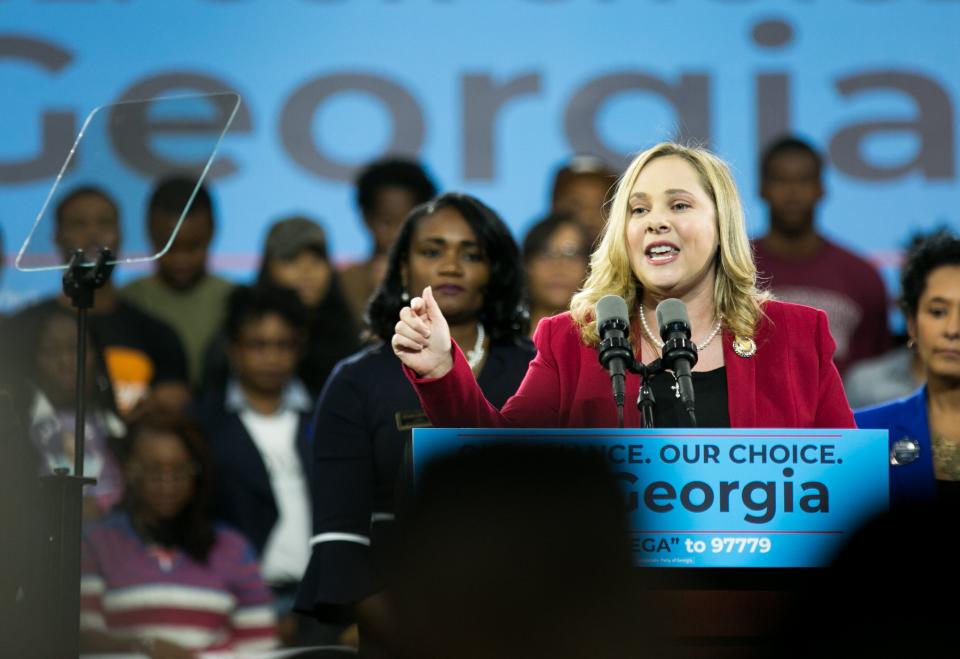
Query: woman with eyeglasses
[
  {"x": 158, "y": 576},
  {"x": 555, "y": 252}
]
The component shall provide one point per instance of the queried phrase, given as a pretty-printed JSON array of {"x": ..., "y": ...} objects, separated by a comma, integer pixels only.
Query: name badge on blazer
[
  {"x": 409, "y": 419},
  {"x": 904, "y": 451}
]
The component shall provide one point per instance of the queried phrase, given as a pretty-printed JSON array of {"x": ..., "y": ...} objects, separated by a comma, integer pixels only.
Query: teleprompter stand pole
[{"x": 63, "y": 492}]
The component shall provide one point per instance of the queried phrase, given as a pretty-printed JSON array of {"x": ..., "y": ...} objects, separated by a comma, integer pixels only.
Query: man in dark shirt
[
  {"x": 582, "y": 188},
  {"x": 144, "y": 357},
  {"x": 387, "y": 190},
  {"x": 181, "y": 292},
  {"x": 801, "y": 265}
]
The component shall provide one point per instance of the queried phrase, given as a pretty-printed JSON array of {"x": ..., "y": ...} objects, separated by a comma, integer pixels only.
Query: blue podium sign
[{"x": 720, "y": 497}]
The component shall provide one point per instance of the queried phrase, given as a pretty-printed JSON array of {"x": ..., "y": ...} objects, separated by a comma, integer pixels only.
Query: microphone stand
[
  {"x": 63, "y": 493},
  {"x": 673, "y": 349},
  {"x": 646, "y": 402},
  {"x": 679, "y": 349}
]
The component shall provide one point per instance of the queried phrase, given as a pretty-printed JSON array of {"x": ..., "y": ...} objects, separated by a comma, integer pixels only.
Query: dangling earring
[
  {"x": 911, "y": 343},
  {"x": 404, "y": 296}
]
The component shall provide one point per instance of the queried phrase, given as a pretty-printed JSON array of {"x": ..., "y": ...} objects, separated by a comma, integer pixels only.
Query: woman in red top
[{"x": 676, "y": 230}]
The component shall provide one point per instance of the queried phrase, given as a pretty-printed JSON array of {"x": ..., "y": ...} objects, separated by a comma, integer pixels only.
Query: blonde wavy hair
[{"x": 736, "y": 295}]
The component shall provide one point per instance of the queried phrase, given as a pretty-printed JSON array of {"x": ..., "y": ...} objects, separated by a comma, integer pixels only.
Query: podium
[{"x": 727, "y": 525}]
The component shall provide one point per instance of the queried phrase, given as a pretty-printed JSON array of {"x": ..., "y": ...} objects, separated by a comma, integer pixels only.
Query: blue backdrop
[{"x": 492, "y": 95}]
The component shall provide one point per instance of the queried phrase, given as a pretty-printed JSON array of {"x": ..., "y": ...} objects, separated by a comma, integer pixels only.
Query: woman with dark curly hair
[
  {"x": 460, "y": 248},
  {"x": 923, "y": 428}
]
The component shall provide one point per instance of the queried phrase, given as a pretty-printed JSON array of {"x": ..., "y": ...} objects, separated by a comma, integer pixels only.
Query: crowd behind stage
[{"x": 248, "y": 439}]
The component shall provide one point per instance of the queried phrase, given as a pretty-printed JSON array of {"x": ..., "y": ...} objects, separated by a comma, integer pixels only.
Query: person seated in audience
[
  {"x": 53, "y": 410},
  {"x": 802, "y": 265},
  {"x": 363, "y": 421},
  {"x": 583, "y": 188},
  {"x": 158, "y": 576},
  {"x": 295, "y": 256},
  {"x": 555, "y": 255},
  {"x": 257, "y": 436},
  {"x": 387, "y": 190},
  {"x": 181, "y": 292},
  {"x": 144, "y": 357},
  {"x": 924, "y": 428}
]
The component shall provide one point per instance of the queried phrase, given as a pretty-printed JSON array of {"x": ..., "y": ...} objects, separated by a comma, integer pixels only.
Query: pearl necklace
[
  {"x": 657, "y": 342},
  {"x": 475, "y": 356}
]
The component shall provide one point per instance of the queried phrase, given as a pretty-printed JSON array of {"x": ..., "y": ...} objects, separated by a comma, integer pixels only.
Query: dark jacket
[{"x": 243, "y": 497}]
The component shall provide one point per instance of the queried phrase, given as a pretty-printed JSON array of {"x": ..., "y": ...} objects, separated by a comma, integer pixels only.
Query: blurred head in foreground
[{"x": 518, "y": 552}]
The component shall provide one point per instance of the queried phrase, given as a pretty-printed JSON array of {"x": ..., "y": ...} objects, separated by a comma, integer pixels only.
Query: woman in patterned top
[{"x": 158, "y": 576}]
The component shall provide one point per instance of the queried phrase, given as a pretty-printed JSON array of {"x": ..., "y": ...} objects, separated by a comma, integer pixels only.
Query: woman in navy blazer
[
  {"x": 365, "y": 414},
  {"x": 924, "y": 429},
  {"x": 676, "y": 230}
]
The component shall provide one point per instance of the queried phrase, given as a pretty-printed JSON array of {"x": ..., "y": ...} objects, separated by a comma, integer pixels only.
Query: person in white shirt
[{"x": 257, "y": 433}]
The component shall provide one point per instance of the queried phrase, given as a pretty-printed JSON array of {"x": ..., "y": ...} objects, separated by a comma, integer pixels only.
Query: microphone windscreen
[
  {"x": 671, "y": 311},
  {"x": 610, "y": 307}
]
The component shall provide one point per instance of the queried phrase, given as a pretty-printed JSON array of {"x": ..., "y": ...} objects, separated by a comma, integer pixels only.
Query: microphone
[
  {"x": 616, "y": 353},
  {"x": 679, "y": 352}
]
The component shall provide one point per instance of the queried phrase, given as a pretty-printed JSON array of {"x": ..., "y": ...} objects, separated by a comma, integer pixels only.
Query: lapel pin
[
  {"x": 904, "y": 451},
  {"x": 744, "y": 347}
]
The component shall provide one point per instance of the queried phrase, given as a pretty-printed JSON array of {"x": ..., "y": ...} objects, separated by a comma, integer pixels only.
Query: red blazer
[{"x": 790, "y": 382}]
